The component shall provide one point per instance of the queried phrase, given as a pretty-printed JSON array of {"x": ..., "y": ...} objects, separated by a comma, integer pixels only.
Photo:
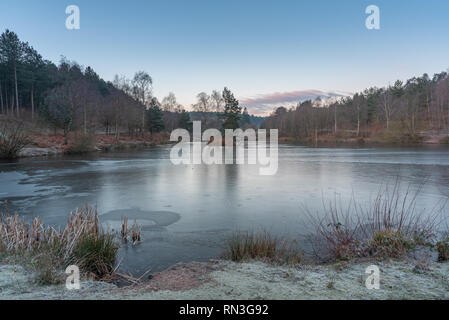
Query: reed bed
[{"x": 80, "y": 242}]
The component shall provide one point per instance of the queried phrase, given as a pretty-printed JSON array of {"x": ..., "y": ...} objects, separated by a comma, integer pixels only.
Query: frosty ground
[{"x": 251, "y": 280}]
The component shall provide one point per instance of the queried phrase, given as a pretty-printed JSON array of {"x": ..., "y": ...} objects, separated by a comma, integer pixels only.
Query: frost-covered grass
[{"x": 258, "y": 280}]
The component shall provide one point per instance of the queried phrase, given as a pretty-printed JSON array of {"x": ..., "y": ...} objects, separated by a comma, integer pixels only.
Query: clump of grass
[
  {"x": 443, "y": 250},
  {"x": 243, "y": 246},
  {"x": 95, "y": 254},
  {"x": 48, "y": 250},
  {"x": 389, "y": 227}
]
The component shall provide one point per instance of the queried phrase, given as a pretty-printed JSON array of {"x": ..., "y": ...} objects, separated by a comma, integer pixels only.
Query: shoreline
[
  {"x": 332, "y": 142},
  {"x": 129, "y": 145},
  {"x": 51, "y": 145},
  {"x": 219, "y": 279}
]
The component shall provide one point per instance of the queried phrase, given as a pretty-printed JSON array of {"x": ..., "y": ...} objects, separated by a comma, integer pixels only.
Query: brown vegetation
[{"x": 390, "y": 227}]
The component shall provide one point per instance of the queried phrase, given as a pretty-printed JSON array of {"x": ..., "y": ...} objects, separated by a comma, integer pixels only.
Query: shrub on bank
[
  {"x": 13, "y": 138},
  {"x": 81, "y": 143},
  {"x": 389, "y": 227}
]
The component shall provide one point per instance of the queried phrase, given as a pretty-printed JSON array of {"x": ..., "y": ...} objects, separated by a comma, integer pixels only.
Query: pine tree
[
  {"x": 12, "y": 49},
  {"x": 232, "y": 110},
  {"x": 184, "y": 121},
  {"x": 155, "y": 121}
]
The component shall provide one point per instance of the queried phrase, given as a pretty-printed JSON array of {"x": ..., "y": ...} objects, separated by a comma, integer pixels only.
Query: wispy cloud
[{"x": 263, "y": 104}]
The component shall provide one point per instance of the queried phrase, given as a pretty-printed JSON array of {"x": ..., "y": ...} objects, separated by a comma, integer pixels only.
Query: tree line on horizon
[
  {"x": 70, "y": 98},
  {"x": 403, "y": 110}
]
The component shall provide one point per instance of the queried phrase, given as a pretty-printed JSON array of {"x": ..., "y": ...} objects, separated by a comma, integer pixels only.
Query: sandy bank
[{"x": 255, "y": 280}]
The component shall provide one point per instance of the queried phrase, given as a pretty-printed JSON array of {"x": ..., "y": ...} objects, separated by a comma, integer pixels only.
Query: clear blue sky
[{"x": 254, "y": 47}]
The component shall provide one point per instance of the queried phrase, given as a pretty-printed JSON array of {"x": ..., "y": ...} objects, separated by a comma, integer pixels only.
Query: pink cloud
[{"x": 262, "y": 104}]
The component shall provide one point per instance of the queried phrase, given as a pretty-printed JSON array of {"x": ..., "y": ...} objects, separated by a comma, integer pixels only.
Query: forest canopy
[
  {"x": 69, "y": 97},
  {"x": 404, "y": 109}
]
